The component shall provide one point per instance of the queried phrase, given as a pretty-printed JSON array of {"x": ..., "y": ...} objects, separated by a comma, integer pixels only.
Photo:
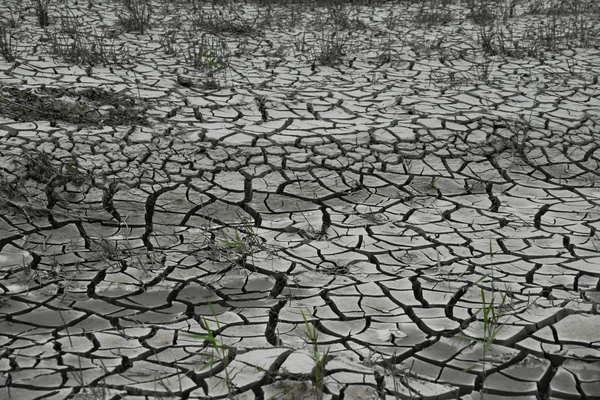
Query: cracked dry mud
[{"x": 375, "y": 200}]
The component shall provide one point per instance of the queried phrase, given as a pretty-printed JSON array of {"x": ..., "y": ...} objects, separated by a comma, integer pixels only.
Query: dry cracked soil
[{"x": 387, "y": 212}]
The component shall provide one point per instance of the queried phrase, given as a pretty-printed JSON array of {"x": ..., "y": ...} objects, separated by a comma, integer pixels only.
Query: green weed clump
[
  {"x": 492, "y": 309},
  {"x": 206, "y": 53},
  {"x": 218, "y": 348},
  {"x": 318, "y": 374}
]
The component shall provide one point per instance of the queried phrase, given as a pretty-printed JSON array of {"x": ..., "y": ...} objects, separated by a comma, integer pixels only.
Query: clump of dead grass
[
  {"x": 136, "y": 15},
  {"x": 91, "y": 106},
  {"x": 7, "y": 43}
]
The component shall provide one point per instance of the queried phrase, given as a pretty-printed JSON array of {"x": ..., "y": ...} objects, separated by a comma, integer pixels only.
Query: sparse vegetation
[
  {"x": 433, "y": 12},
  {"x": 231, "y": 19},
  {"x": 400, "y": 377},
  {"x": 519, "y": 130},
  {"x": 13, "y": 14},
  {"x": 7, "y": 45},
  {"x": 340, "y": 17},
  {"x": 492, "y": 310},
  {"x": 136, "y": 15},
  {"x": 43, "y": 169},
  {"x": 312, "y": 339},
  {"x": 552, "y": 29},
  {"x": 233, "y": 245},
  {"x": 206, "y": 54},
  {"x": 220, "y": 149},
  {"x": 42, "y": 11},
  {"x": 85, "y": 48},
  {"x": 484, "y": 12},
  {"x": 331, "y": 48},
  {"x": 57, "y": 105},
  {"x": 220, "y": 353}
]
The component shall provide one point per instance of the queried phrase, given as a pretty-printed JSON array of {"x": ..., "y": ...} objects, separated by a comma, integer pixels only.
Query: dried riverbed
[{"x": 338, "y": 228}]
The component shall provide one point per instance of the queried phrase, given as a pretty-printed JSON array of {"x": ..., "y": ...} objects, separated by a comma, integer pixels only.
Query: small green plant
[
  {"x": 107, "y": 250},
  {"x": 491, "y": 250},
  {"x": 491, "y": 310},
  {"x": 136, "y": 16},
  {"x": 246, "y": 243},
  {"x": 484, "y": 69},
  {"x": 433, "y": 182},
  {"x": 206, "y": 53},
  {"x": 300, "y": 42},
  {"x": 318, "y": 374},
  {"x": 235, "y": 243},
  {"x": 42, "y": 168},
  {"x": 135, "y": 82},
  {"x": 386, "y": 52},
  {"x": 218, "y": 347},
  {"x": 391, "y": 20},
  {"x": 241, "y": 246}
]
